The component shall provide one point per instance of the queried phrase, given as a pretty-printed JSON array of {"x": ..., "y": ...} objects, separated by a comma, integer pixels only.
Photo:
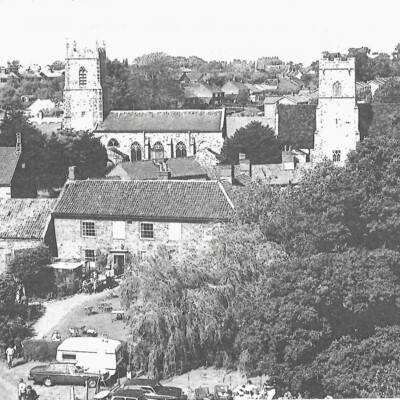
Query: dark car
[
  {"x": 128, "y": 394},
  {"x": 154, "y": 390},
  {"x": 65, "y": 374}
]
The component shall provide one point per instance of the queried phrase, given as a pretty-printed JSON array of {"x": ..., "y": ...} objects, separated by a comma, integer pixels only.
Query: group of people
[
  {"x": 14, "y": 350},
  {"x": 26, "y": 392}
]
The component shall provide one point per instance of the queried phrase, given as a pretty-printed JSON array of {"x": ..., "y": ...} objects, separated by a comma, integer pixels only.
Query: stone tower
[
  {"x": 337, "y": 112},
  {"x": 85, "y": 92}
]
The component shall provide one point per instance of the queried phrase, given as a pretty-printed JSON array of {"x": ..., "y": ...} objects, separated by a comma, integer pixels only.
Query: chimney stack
[
  {"x": 71, "y": 173},
  {"x": 164, "y": 174},
  {"x": 18, "y": 146}
]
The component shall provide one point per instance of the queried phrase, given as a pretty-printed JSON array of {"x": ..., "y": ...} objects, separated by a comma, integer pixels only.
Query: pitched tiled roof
[
  {"x": 163, "y": 121},
  {"x": 181, "y": 168},
  {"x": 274, "y": 174},
  {"x": 8, "y": 163},
  {"x": 25, "y": 218},
  {"x": 376, "y": 118},
  {"x": 152, "y": 200},
  {"x": 297, "y": 124}
]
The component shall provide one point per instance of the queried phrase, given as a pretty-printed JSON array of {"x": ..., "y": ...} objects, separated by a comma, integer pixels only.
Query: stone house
[
  {"x": 160, "y": 134},
  {"x": 203, "y": 93},
  {"x": 24, "y": 224},
  {"x": 236, "y": 92},
  {"x": 114, "y": 218}
]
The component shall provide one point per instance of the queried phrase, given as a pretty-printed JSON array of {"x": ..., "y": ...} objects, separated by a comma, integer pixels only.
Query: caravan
[{"x": 92, "y": 353}]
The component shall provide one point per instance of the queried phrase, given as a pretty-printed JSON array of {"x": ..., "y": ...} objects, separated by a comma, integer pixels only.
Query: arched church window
[
  {"x": 180, "y": 151},
  {"x": 113, "y": 143},
  {"x": 336, "y": 156},
  {"x": 136, "y": 152},
  {"x": 82, "y": 76},
  {"x": 157, "y": 152},
  {"x": 337, "y": 89}
]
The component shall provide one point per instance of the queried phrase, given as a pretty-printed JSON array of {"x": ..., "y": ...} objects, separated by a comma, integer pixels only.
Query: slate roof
[
  {"x": 25, "y": 218},
  {"x": 297, "y": 125},
  {"x": 164, "y": 121},
  {"x": 8, "y": 163},
  {"x": 181, "y": 168},
  {"x": 144, "y": 200}
]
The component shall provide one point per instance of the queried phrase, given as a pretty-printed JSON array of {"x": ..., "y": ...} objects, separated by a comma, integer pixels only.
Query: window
[
  {"x": 112, "y": 143},
  {"x": 207, "y": 234},
  {"x": 83, "y": 113},
  {"x": 90, "y": 255},
  {"x": 336, "y": 155},
  {"x": 146, "y": 230},
  {"x": 180, "y": 150},
  {"x": 157, "y": 152},
  {"x": 118, "y": 229},
  {"x": 66, "y": 356},
  {"x": 82, "y": 76},
  {"x": 88, "y": 229},
  {"x": 136, "y": 152},
  {"x": 175, "y": 231},
  {"x": 143, "y": 255},
  {"x": 337, "y": 89}
]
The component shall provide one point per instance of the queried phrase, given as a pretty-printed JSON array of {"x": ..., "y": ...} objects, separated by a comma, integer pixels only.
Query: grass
[{"x": 98, "y": 320}]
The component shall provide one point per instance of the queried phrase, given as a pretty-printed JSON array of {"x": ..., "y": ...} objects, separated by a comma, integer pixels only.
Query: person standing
[
  {"x": 21, "y": 390},
  {"x": 10, "y": 356}
]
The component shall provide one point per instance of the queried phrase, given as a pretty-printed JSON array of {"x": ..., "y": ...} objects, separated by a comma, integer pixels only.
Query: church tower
[
  {"x": 337, "y": 112},
  {"x": 85, "y": 92}
]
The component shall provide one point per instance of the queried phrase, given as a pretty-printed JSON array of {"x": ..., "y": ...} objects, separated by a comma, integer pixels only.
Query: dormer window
[
  {"x": 82, "y": 76},
  {"x": 337, "y": 89}
]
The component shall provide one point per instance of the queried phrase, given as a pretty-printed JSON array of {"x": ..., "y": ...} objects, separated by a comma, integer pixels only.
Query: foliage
[
  {"x": 27, "y": 267},
  {"x": 389, "y": 93},
  {"x": 255, "y": 140},
  {"x": 40, "y": 350}
]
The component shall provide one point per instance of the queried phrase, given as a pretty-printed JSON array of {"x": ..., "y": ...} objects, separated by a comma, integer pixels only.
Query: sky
[{"x": 36, "y": 31}]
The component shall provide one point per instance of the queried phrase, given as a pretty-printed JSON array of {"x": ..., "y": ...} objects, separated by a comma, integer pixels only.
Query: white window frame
[
  {"x": 90, "y": 259},
  {"x": 84, "y": 228},
  {"x": 140, "y": 230},
  {"x": 175, "y": 231},
  {"x": 118, "y": 229}
]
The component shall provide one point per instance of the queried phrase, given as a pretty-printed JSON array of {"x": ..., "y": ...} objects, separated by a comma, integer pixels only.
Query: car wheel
[
  {"x": 47, "y": 382},
  {"x": 92, "y": 383}
]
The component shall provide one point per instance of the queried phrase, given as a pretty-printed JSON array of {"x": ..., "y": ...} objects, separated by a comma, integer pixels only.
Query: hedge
[{"x": 40, "y": 350}]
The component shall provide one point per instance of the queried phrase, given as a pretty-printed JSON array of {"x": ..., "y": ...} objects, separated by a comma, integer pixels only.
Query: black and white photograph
[{"x": 199, "y": 200}]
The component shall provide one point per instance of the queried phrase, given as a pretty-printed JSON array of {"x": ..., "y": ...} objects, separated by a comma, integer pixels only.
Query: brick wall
[{"x": 71, "y": 243}]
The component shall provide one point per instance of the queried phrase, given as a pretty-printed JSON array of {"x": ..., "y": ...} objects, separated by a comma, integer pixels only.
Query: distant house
[
  {"x": 235, "y": 91},
  {"x": 363, "y": 92},
  {"x": 203, "y": 93},
  {"x": 377, "y": 83},
  {"x": 45, "y": 115},
  {"x": 191, "y": 77},
  {"x": 290, "y": 85},
  {"x": 255, "y": 93},
  {"x": 117, "y": 218},
  {"x": 24, "y": 224},
  {"x": 6, "y": 76},
  {"x": 175, "y": 168},
  {"x": 49, "y": 74}
]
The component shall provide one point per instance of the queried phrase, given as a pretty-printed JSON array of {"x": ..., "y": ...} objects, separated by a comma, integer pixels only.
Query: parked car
[
  {"x": 65, "y": 374},
  {"x": 154, "y": 390}
]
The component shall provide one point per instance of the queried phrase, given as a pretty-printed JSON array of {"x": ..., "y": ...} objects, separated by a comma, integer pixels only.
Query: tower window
[
  {"x": 181, "y": 150},
  {"x": 82, "y": 76},
  {"x": 136, "y": 152},
  {"x": 113, "y": 143},
  {"x": 336, "y": 155},
  {"x": 337, "y": 89}
]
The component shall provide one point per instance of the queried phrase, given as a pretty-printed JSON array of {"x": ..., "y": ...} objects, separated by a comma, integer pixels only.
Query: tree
[
  {"x": 257, "y": 141},
  {"x": 389, "y": 93},
  {"x": 28, "y": 267}
]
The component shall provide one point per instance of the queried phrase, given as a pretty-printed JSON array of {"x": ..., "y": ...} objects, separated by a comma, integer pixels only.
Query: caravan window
[{"x": 66, "y": 356}]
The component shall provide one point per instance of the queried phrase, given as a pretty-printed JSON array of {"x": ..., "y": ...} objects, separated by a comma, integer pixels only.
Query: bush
[{"x": 40, "y": 350}]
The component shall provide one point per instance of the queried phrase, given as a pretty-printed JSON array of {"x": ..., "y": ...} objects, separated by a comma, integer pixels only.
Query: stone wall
[
  {"x": 8, "y": 246},
  {"x": 71, "y": 243}
]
